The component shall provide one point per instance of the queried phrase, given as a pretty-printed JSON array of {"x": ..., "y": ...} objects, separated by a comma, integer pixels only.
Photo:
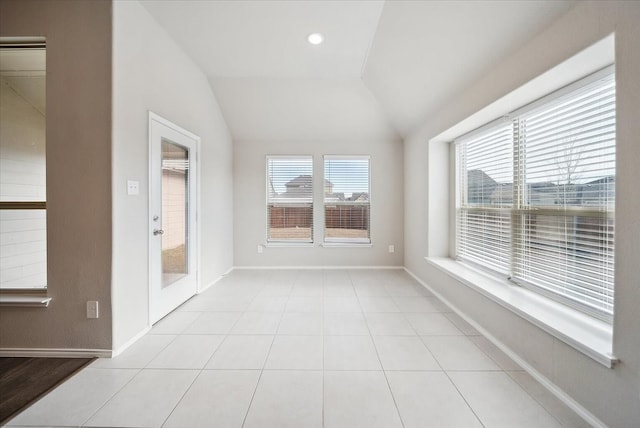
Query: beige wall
[
  {"x": 611, "y": 395},
  {"x": 152, "y": 73},
  {"x": 249, "y": 186},
  {"x": 78, "y": 137}
]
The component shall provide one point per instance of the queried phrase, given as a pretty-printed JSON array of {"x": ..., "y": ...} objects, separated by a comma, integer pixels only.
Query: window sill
[
  {"x": 586, "y": 334},
  {"x": 24, "y": 300},
  {"x": 288, "y": 244},
  {"x": 347, "y": 244}
]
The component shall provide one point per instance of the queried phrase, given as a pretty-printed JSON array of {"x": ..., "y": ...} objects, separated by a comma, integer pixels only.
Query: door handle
[{"x": 157, "y": 232}]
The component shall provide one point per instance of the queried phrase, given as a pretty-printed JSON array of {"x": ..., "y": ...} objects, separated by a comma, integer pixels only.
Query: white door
[{"x": 173, "y": 258}]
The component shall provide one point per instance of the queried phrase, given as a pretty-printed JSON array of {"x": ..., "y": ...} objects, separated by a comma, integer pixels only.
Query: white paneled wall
[{"x": 23, "y": 233}]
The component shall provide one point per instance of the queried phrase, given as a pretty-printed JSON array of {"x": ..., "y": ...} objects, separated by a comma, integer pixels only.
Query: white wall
[
  {"x": 78, "y": 151},
  {"x": 152, "y": 73},
  {"x": 612, "y": 395},
  {"x": 250, "y": 204}
]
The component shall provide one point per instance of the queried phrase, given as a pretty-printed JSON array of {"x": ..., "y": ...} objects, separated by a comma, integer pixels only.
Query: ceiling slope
[
  {"x": 383, "y": 69},
  {"x": 425, "y": 52}
]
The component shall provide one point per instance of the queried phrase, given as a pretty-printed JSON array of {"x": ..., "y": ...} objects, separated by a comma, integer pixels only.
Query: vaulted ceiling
[{"x": 383, "y": 69}]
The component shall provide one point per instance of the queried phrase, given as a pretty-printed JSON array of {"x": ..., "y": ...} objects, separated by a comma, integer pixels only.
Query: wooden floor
[{"x": 24, "y": 380}]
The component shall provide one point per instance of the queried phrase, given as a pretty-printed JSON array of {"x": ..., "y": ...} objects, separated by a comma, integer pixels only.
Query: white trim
[
  {"x": 55, "y": 352},
  {"x": 590, "y": 336},
  {"x": 283, "y": 244},
  {"x": 347, "y": 244},
  {"x": 271, "y": 267},
  {"x": 130, "y": 342},
  {"x": 24, "y": 300},
  {"x": 212, "y": 283},
  {"x": 543, "y": 380}
]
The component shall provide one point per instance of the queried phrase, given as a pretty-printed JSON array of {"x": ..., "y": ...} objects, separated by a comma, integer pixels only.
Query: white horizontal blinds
[
  {"x": 289, "y": 199},
  {"x": 347, "y": 199},
  {"x": 565, "y": 243},
  {"x": 485, "y": 176}
]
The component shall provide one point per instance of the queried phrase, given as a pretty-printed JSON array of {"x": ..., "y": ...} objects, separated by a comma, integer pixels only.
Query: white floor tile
[
  {"x": 174, "y": 323},
  {"x": 307, "y": 289},
  {"x": 209, "y": 301},
  {"x": 304, "y": 304},
  {"x": 257, "y": 323},
  {"x": 295, "y": 353},
  {"x": 432, "y": 324},
  {"x": 404, "y": 353},
  {"x": 146, "y": 401},
  {"x": 138, "y": 355},
  {"x": 217, "y": 398},
  {"x": 429, "y": 399},
  {"x": 351, "y": 324},
  {"x": 350, "y": 353},
  {"x": 187, "y": 352},
  {"x": 371, "y": 290},
  {"x": 339, "y": 290},
  {"x": 378, "y": 304},
  {"x": 499, "y": 402},
  {"x": 276, "y": 290},
  {"x": 341, "y": 304},
  {"x": 406, "y": 290},
  {"x": 301, "y": 323},
  {"x": 560, "y": 411},
  {"x": 389, "y": 324},
  {"x": 241, "y": 352},
  {"x": 420, "y": 304},
  {"x": 458, "y": 353},
  {"x": 77, "y": 399},
  {"x": 268, "y": 304},
  {"x": 213, "y": 323},
  {"x": 287, "y": 399},
  {"x": 358, "y": 399}
]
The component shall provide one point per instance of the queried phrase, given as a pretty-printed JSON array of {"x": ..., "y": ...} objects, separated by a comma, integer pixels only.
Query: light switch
[{"x": 133, "y": 187}]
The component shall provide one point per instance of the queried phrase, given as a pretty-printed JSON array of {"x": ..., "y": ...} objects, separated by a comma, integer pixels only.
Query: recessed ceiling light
[{"x": 315, "y": 38}]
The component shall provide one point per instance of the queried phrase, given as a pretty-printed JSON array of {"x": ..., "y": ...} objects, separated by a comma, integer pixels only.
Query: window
[
  {"x": 23, "y": 215},
  {"x": 346, "y": 199},
  {"x": 536, "y": 196},
  {"x": 290, "y": 199}
]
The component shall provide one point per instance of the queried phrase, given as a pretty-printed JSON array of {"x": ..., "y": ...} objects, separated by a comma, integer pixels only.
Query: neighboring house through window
[
  {"x": 290, "y": 199},
  {"x": 347, "y": 199}
]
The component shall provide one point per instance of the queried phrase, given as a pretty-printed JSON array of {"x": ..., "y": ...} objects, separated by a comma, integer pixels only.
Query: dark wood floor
[{"x": 24, "y": 380}]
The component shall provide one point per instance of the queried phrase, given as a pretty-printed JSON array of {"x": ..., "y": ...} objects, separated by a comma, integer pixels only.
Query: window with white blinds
[
  {"x": 536, "y": 196},
  {"x": 290, "y": 199},
  {"x": 347, "y": 199}
]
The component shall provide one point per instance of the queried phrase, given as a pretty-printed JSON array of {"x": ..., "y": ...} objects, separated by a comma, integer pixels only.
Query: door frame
[{"x": 153, "y": 117}]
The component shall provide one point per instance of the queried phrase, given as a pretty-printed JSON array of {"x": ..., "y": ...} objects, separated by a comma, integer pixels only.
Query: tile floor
[{"x": 306, "y": 348}]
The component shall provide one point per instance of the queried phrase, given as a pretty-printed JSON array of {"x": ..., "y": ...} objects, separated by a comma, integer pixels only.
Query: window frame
[
  {"x": 518, "y": 210},
  {"x": 344, "y": 241},
  {"x": 309, "y": 205}
]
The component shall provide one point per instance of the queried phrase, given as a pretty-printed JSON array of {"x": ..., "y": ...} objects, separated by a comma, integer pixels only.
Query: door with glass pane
[{"x": 172, "y": 223}]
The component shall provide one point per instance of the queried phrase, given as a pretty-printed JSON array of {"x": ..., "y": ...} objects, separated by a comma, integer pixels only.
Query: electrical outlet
[
  {"x": 392, "y": 248},
  {"x": 260, "y": 247},
  {"x": 92, "y": 309}
]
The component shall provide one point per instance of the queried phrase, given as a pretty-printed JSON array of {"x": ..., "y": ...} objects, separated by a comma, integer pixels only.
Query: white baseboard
[
  {"x": 129, "y": 342},
  {"x": 314, "y": 267},
  {"x": 211, "y": 284},
  {"x": 543, "y": 380},
  {"x": 54, "y": 352}
]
